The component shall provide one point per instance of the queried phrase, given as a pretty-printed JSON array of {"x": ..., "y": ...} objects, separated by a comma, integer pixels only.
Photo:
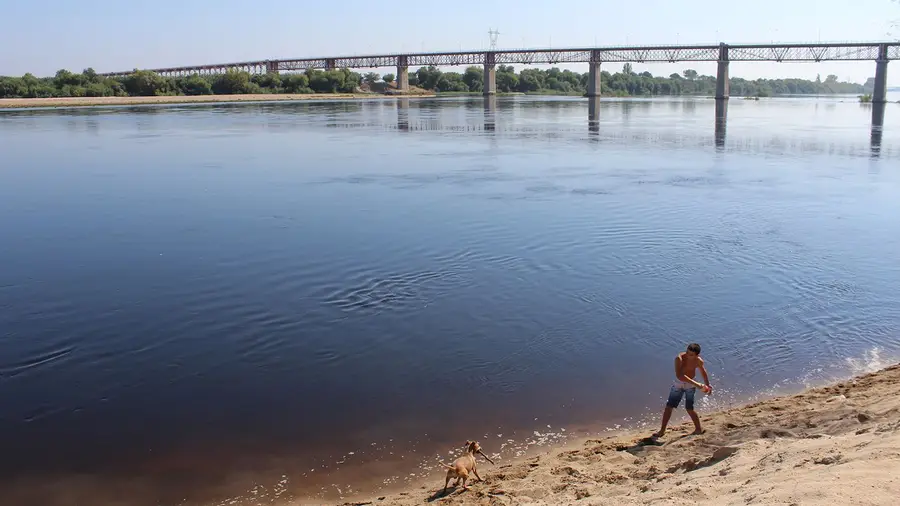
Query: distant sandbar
[{"x": 21, "y": 103}]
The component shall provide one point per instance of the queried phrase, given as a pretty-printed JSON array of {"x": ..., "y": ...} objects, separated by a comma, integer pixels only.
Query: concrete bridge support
[
  {"x": 490, "y": 74},
  {"x": 271, "y": 67},
  {"x": 722, "y": 83},
  {"x": 879, "y": 95},
  {"x": 402, "y": 73},
  {"x": 330, "y": 64},
  {"x": 594, "y": 87}
]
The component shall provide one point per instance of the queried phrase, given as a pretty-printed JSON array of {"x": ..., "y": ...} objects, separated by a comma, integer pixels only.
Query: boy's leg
[
  {"x": 689, "y": 406},
  {"x": 675, "y": 394}
]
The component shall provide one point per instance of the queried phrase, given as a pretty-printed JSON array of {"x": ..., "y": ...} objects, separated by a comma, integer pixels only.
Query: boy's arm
[{"x": 705, "y": 375}]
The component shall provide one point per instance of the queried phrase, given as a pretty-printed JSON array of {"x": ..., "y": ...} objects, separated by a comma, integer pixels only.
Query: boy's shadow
[
  {"x": 640, "y": 444},
  {"x": 652, "y": 441},
  {"x": 440, "y": 494}
]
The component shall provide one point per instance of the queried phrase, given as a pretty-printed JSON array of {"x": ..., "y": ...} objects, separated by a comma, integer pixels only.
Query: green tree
[
  {"x": 690, "y": 74},
  {"x": 295, "y": 83},
  {"x": 90, "y": 76},
  {"x": 427, "y": 77},
  {"x": 627, "y": 70},
  {"x": 388, "y": 78},
  {"x": 11, "y": 87},
  {"x": 233, "y": 82},
  {"x": 145, "y": 83},
  {"x": 196, "y": 85},
  {"x": 506, "y": 79},
  {"x": 451, "y": 81},
  {"x": 65, "y": 78},
  {"x": 473, "y": 77},
  {"x": 371, "y": 78},
  {"x": 269, "y": 81},
  {"x": 531, "y": 80}
]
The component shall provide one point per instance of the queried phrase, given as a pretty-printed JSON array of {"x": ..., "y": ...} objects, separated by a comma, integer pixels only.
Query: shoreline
[
  {"x": 72, "y": 102},
  {"x": 790, "y": 449},
  {"x": 61, "y": 102}
]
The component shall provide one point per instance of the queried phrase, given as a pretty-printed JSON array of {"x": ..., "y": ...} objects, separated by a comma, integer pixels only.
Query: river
[{"x": 251, "y": 303}]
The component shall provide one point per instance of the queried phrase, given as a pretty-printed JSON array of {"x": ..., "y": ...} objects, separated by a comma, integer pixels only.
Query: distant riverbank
[{"x": 27, "y": 103}]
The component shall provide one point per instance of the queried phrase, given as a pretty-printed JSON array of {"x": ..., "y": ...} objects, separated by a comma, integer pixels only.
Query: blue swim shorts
[{"x": 677, "y": 392}]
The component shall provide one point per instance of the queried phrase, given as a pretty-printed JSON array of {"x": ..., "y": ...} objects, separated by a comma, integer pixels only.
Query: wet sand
[
  {"x": 838, "y": 444},
  {"x": 23, "y": 103}
]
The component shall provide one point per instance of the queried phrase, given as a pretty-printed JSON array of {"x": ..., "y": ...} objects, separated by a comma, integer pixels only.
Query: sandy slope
[{"x": 832, "y": 445}]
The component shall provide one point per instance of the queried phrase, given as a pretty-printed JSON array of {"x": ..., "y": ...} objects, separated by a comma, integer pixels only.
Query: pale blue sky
[{"x": 42, "y": 37}]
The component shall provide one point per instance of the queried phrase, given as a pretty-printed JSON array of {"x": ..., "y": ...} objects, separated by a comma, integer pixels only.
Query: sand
[
  {"x": 20, "y": 103},
  {"x": 832, "y": 445}
]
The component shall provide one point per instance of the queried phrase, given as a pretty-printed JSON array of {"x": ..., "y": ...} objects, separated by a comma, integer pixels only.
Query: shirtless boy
[{"x": 686, "y": 365}]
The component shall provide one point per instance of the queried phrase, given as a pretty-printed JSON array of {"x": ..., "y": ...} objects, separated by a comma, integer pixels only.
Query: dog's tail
[{"x": 448, "y": 466}]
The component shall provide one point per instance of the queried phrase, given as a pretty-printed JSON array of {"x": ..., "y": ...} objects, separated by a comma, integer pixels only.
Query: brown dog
[{"x": 464, "y": 465}]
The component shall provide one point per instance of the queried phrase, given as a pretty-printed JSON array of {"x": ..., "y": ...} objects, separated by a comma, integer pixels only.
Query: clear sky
[{"x": 42, "y": 37}]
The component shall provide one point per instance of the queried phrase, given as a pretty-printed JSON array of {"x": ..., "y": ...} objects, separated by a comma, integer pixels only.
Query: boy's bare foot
[
  {"x": 697, "y": 432},
  {"x": 658, "y": 433}
]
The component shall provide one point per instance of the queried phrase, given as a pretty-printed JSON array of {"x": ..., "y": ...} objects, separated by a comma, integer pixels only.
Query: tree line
[
  {"x": 147, "y": 83},
  {"x": 624, "y": 83},
  {"x": 530, "y": 80}
]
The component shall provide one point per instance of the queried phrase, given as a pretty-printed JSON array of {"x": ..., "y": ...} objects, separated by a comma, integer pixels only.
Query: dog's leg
[
  {"x": 465, "y": 487},
  {"x": 475, "y": 472},
  {"x": 446, "y": 482}
]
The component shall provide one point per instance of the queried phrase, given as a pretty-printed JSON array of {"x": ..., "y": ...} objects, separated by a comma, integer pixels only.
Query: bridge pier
[
  {"x": 490, "y": 74},
  {"x": 722, "y": 84},
  {"x": 330, "y": 64},
  {"x": 594, "y": 85},
  {"x": 271, "y": 67},
  {"x": 879, "y": 95},
  {"x": 402, "y": 73}
]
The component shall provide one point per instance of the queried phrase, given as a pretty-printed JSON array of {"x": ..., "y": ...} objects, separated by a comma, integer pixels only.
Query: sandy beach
[
  {"x": 24, "y": 103},
  {"x": 838, "y": 444}
]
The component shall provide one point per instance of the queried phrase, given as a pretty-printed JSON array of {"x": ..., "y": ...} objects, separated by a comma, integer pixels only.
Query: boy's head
[{"x": 694, "y": 349}]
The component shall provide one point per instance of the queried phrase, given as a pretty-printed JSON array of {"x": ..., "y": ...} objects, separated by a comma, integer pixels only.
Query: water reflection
[
  {"x": 490, "y": 113},
  {"x": 594, "y": 116},
  {"x": 403, "y": 114},
  {"x": 877, "y": 128},
  {"x": 721, "y": 121}
]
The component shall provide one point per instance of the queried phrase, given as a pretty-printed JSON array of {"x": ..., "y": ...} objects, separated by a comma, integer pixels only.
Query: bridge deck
[{"x": 817, "y": 52}]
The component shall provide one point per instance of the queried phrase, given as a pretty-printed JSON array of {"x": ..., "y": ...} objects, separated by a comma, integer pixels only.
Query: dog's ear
[{"x": 468, "y": 442}]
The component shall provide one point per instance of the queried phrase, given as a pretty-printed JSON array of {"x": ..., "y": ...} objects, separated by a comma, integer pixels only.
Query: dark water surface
[{"x": 239, "y": 304}]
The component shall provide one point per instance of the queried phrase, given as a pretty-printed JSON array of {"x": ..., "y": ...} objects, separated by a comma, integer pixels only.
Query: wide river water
[{"x": 251, "y": 303}]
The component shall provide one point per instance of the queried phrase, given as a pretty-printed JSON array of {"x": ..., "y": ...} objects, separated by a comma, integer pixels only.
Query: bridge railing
[{"x": 779, "y": 52}]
